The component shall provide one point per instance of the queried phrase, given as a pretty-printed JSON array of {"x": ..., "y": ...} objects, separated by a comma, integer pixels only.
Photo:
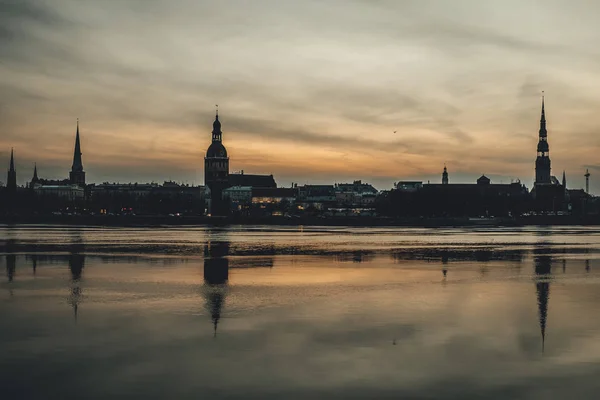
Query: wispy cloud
[{"x": 310, "y": 90}]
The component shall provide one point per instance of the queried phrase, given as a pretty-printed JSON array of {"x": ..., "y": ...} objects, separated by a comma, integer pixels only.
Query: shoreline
[{"x": 165, "y": 221}]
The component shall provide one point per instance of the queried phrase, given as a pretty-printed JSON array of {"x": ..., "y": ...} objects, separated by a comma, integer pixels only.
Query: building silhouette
[
  {"x": 542, "y": 162},
  {"x": 35, "y": 178},
  {"x": 77, "y": 174},
  {"x": 11, "y": 182},
  {"x": 445, "y": 176},
  {"x": 216, "y": 171}
]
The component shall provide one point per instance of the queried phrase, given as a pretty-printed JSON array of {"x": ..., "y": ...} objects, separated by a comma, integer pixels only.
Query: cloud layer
[{"x": 310, "y": 91}]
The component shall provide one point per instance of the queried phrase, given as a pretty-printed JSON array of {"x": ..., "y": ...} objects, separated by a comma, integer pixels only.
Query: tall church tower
[
  {"x": 11, "y": 182},
  {"x": 542, "y": 162},
  {"x": 445, "y": 176},
  {"x": 77, "y": 175},
  {"x": 216, "y": 170}
]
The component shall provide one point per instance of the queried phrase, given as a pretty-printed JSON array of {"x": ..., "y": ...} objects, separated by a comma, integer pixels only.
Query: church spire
[
  {"x": 445, "y": 176},
  {"x": 11, "y": 182},
  {"x": 12, "y": 160},
  {"x": 35, "y": 178},
  {"x": 543, "y": 131},
  {"x": 564, "y": 180},
  {"x": 77, "y": 175},
  {"x": 542, "y": 162},
  {"x": 77, "y": 164}
]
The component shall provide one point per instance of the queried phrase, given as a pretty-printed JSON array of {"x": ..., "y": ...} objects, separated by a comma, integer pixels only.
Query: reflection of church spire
[
  {"x": 34, "y": 263},
  {"x": 11, "y": 261},
  {"x": 76, "y": 264},
  {"x": 542, "y": 286},
  {"x": 216, "y": 275}
]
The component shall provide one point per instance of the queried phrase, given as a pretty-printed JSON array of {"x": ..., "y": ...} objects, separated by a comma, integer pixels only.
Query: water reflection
[
  {"x": 459, "y": 254},
  {"x": 587, "y": 265},
  {"x": 76, "y": 264},
  {"x": 356, "y": 256},
  {"x": 11, "y": 266},
  {"x": 216, "y": 276},
  {"x": 543, "y": 270}
]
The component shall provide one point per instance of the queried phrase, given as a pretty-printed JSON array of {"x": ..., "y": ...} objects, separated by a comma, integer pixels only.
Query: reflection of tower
[
  {"x": 445, "y": 264},
  {"x": 34, "y": 263},
  {"x": 77, "y": 175},
  {"x": 542, "y": 162},
  {"x": 445, "y": 176},
  {"x": 587, "y": 265},
  {"x": 76, "y": 264},
  {"x": 11, "y": 261},
  {"x": 216, "y": 170},
  {"x": 587, "y": 181},
  {"x": 216, "y": 275},
  {"x": 543, "y": 265}
]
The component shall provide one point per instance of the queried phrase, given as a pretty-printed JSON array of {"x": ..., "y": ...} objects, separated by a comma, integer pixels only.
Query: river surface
[{"x": 299, "y": 313}]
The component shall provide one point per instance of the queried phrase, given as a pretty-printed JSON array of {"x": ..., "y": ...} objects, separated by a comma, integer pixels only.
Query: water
[{"x": 299, "y": 313}]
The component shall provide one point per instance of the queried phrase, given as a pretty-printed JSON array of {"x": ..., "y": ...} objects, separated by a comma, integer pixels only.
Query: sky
[{"x": 311, "y": 91}]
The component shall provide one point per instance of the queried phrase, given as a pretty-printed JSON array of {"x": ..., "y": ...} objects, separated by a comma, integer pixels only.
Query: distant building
[
  {"x": 11, "y": 182},
  {"x": 152, "y": 198},
  {"x": 451, "y": 200},
  {"x": 445, "y": 176},
  {"x": 216, "y": 171},
  {"x": 549, "y": 194},
  {"x": 317, "y": 197},
  {"x": 542, "y": 162},
  {"x": 77, "y": 174},
  {"x": 273, "y": 195},
  {"x": 238, "y": 195},
  {"x": 409, "y": 186},
  {"x": 356, "y": 193},
  {"x": 67, "y": 192},
  {"x": 250, "y": 180}
]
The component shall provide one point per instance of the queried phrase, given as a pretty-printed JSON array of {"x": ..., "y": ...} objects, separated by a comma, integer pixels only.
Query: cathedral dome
[{"x": 216, "y": 150}]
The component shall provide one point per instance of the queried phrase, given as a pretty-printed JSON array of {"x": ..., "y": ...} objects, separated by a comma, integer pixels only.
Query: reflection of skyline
[
  {"x": 11, "y": 261},
  {"x": 543, "y": 269},
  {"x": 76, "y": 264},
  {"x": 216, "y": 276}
]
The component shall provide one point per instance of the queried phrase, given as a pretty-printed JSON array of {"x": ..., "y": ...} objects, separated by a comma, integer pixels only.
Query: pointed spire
[
  {"x": 543, "y": 132},
  {"x": 77, "y": 164},
  {"x": 543, "y": 111},
  {"x": 564, "y": 179},
  {"x": 12, "y": 160},
  {"x": 35, "y": 174}
]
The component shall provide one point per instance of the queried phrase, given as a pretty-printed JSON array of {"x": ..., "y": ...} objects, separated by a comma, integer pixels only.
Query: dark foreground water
[{"x": 299, "y": 313}]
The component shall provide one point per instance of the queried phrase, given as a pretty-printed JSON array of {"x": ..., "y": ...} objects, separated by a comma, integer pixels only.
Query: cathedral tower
[
  {"x": 542, "y": 162},
  {"x": 445, "y": 176},
  {"x": 216, "y": 170},
  {"x": 11, "y": 182},
  {"x": 77, "y": 175}
]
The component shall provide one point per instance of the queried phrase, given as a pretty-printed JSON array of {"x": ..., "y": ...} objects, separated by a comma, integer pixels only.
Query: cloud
[{"x": 321, "y": 86}]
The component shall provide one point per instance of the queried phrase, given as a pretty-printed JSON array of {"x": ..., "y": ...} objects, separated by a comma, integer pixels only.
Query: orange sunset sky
[{"x": 310, "y": 91}]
